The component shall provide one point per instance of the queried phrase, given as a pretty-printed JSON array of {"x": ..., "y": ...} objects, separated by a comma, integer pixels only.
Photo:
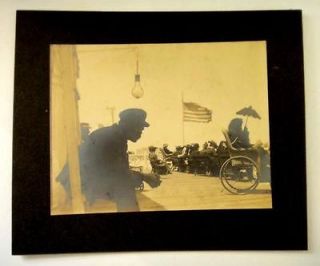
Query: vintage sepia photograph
[{"x": 159, "y": 127}]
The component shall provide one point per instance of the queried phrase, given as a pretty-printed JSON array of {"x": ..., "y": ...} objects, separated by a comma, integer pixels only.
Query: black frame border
[{"x": 284, "y": 227}]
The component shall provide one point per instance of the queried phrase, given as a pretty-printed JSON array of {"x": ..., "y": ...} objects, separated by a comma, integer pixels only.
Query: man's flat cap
[{"x": 134, "y": 115}]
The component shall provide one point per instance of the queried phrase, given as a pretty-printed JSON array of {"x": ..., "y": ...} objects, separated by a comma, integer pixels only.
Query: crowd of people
[
  {"x": 209, "y": 158},
  {"x": 189, "y": 158}
]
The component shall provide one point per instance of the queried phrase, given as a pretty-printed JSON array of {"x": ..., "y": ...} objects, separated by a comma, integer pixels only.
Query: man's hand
[{"x": 153, "y": 180}]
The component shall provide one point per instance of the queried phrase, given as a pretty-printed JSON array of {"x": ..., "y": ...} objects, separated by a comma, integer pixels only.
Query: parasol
[{"x": 248, "y": 111}]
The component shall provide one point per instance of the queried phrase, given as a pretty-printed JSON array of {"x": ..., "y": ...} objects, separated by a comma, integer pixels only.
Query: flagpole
[{"x": 182, "y": 117}]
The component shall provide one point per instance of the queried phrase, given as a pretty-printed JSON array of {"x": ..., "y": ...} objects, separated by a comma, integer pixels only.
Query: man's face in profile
[{"x": 135, "y": 132}]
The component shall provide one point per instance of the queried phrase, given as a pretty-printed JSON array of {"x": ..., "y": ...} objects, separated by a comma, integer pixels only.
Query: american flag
[{"x": 193, "y": 112}]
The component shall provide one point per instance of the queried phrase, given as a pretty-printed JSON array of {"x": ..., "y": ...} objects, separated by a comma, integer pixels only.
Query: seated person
[
  {"x": 157, "y": 163},
  {"x": 184, "y": 151},
  {"x": 153, "y": 157},
  {"x": 222, "y": 148},
  {"x": 240, "y": 140},
  {"x": 239, "y": 137},
  {"x": 205, "y": 146},
  {"x": 212, "y": 145},
  {"x": 210, "y": 148},
  {"x": 194, "y": 148},
  {"x": 178, "y": 150},
  {"x": 166, "y": 150},
  {"x": 181, "y": 159}
]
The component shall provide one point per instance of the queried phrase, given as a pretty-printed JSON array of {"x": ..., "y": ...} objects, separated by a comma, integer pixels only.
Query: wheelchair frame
[{"x": 240, "y": 174}]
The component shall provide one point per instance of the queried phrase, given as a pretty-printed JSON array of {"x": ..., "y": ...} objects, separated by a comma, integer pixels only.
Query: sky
[{"x": 223, "y": 77}]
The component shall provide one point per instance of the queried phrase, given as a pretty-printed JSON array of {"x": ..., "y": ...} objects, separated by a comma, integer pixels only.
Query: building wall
[{"x": 65, "y": 130}]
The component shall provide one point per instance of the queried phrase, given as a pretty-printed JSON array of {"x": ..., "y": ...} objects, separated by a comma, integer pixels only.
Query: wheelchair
[{"x": 240, "y": 173}]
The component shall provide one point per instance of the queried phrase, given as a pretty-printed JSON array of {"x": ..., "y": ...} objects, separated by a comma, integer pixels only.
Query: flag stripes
[
  {"x": 193, "y": 112},
  {"x": 195, "y": 120}
]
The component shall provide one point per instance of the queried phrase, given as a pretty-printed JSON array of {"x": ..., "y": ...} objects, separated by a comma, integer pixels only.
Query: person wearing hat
[
  {"x": 166, "y": 149},
  {"x": 158, "y": 163},
  {"x": 104, "y": 164}
]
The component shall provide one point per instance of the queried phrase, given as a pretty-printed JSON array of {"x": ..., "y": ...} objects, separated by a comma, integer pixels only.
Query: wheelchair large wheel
[{"x": 239, "y": 175}]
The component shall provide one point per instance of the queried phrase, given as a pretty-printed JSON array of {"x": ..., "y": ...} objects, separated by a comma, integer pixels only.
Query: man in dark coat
[{"x": 104, "y": 164}]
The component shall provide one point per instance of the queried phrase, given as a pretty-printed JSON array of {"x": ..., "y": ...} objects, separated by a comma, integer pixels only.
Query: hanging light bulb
[{"x": 137, "y": 90}]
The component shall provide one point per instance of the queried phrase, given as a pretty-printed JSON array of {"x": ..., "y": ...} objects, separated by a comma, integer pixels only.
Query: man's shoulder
[
  {"x": 109, "y": 130},
  {"x": 110, "y": 134}
]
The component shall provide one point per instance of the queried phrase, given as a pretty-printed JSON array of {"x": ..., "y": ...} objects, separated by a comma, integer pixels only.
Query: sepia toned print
[{"x": 159, "y": 127}]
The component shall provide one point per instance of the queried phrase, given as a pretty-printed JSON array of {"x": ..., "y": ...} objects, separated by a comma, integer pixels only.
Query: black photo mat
[{"x": 35, "y": 231}]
